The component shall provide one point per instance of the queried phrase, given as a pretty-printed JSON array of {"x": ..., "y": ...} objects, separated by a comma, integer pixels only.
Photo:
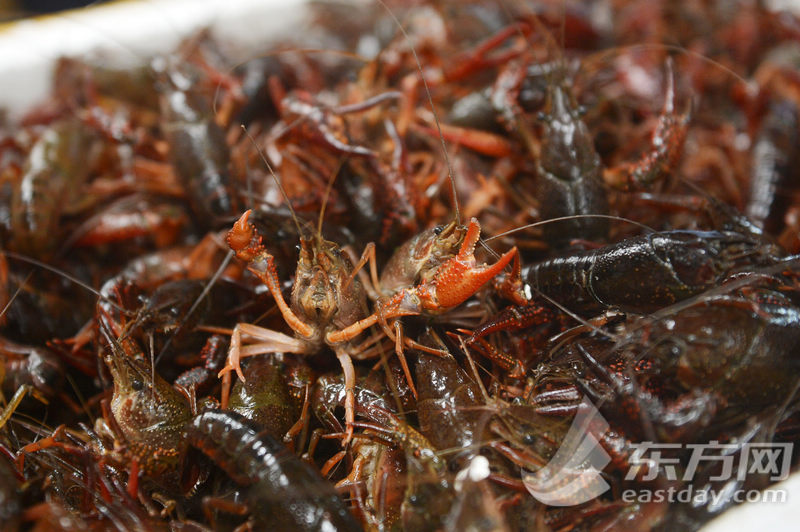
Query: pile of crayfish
[{"x": 375, "y": 278}]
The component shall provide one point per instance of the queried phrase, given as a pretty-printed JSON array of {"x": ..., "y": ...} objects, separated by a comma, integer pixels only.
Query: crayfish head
[
  {"x": 150, "y": 413},
  {"x": 324, "y": 291},
  {"x": 568, "y": 152},
  {"x": 316, "y": 298},
  {"x": 418, "y": 259},
  {"x": 443, "y": 243}
]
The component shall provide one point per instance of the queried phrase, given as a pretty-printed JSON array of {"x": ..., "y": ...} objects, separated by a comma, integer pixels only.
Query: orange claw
[
  {"x": 246, "y": 242},
  {"x": 243, "y": 238},
  {"x": 460, "y": 277}
]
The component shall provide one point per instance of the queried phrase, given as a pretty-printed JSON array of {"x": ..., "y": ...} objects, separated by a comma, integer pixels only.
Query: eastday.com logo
[{"x": 574, "y": 475}]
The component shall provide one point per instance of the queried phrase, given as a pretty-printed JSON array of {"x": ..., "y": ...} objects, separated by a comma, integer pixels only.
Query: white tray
[{"x": 129, "y": 32}]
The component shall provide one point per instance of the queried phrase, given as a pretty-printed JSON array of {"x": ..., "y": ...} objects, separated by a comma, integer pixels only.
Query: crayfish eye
[
  {"x": 438, "y": 230},
  {"x": 137, "y": 385}
]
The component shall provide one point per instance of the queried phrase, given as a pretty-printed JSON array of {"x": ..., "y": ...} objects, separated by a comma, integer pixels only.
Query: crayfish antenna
[{"x": 275, "y": 178}]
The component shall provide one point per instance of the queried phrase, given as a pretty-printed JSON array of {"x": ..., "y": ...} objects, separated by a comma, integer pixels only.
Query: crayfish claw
[{"x": 244, "y": 239}]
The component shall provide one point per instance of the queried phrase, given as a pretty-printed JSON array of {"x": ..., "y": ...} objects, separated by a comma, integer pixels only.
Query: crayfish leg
[
  {"x": 398, "y": 348},
  {"x": 372, "y": 284},
  {"x": 270, "y": 342},
  {"x": 12, "y": 405},
  {"x": 350, "y": 397},
  {"x": 332, "y": 462},
  {"x": 54, "y": 440}
]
